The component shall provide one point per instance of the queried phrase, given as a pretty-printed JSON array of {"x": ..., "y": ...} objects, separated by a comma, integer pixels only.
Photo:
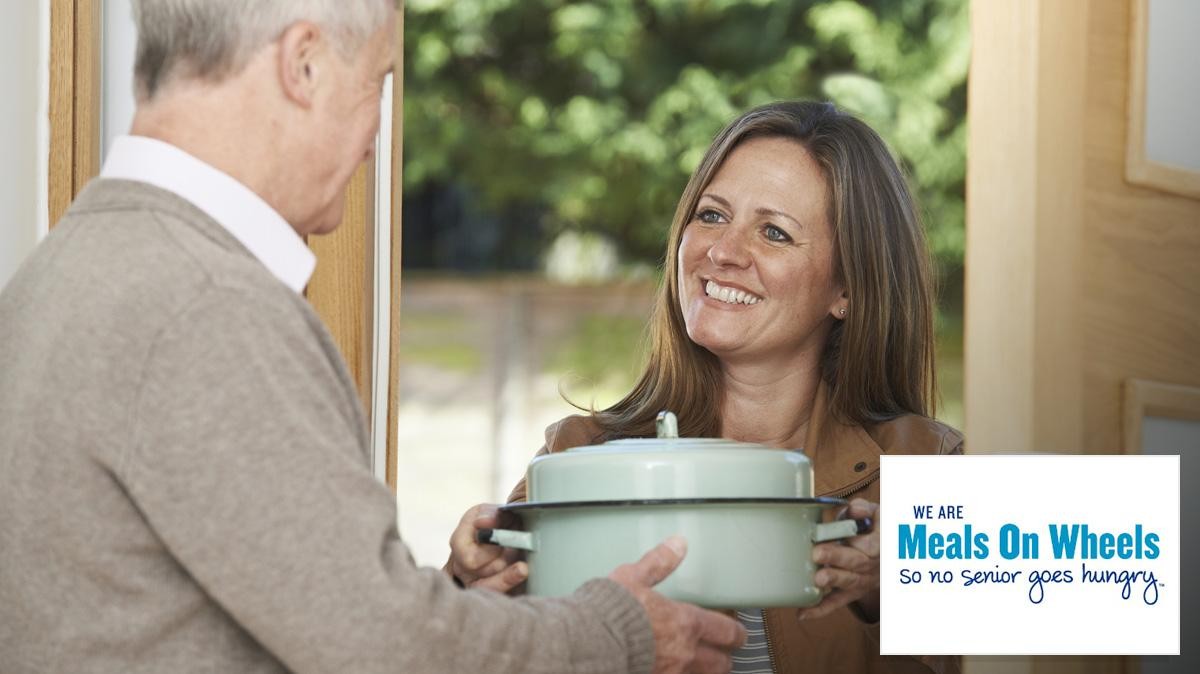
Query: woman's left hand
[{"x": 850, "y": 568}]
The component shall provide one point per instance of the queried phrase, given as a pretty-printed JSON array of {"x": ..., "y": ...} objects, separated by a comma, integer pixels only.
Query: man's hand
[
  {"x": 851, "y": 568},
  {"x": 476, "y": 565},
  {"x": 686, "y": 638}
]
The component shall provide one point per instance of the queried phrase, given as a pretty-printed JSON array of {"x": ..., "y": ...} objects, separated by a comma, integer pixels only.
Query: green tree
[{"x": 594, "y": 113}]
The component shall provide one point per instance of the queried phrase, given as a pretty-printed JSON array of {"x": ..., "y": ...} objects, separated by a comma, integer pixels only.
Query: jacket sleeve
[
  {"x": 245, "y": 462},
  {"x": 952, "y": 442},
  {"x": 572, "y": 431}
]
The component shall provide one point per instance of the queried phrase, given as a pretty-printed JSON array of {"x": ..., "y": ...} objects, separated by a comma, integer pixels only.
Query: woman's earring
[{"x": 843, "y": 312}]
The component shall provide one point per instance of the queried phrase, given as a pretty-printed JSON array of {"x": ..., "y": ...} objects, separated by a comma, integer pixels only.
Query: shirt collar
[{"x": 252, "y": 221}]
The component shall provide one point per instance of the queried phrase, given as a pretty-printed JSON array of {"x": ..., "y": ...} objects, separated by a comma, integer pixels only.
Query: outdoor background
[{"x": 546, "y": 143}]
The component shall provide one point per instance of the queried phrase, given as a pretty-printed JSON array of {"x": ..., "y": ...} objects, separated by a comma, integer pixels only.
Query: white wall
[
  {"x": 120, "y": 47},
  {"x": 24, "y": 130}
]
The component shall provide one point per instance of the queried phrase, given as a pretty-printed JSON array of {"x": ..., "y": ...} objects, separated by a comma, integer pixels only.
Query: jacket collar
[{"x": 844, "y": 457}]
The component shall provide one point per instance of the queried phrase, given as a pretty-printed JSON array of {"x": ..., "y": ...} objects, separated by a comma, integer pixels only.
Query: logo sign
[{"x": 1033, "y": 555}]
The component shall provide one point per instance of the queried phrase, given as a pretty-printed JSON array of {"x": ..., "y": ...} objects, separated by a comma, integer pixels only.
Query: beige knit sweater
[{"x": 184, "y": 482}]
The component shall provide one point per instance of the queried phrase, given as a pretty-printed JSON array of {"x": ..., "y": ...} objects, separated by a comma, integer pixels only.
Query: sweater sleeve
[{"x": 247, "y": 459}]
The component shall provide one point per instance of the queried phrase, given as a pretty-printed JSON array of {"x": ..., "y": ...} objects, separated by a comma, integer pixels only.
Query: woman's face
[{"x": 755, "y": 261}]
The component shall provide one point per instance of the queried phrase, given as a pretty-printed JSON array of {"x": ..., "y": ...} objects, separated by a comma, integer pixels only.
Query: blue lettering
[
  {"x": 1072, "y": 541},
  {"x": 1125, "y": 579},
  {"x": 912, "y": 541},
  {"x": 950, "y": 512},
  {"x": 1125, "y": 546},
  {"x": 1064, "y": 539},
  {"x": 937, "y": 545},
  {"x": 1151, "y": 546},
  {"x": 917, "y": 543}
]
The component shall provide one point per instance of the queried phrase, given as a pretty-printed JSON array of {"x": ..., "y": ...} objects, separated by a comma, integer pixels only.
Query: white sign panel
[{"x": 1030, "y": 555}]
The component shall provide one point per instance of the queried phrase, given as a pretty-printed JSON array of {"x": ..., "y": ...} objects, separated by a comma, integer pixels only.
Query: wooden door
[{"x": 1078, "y": 278}]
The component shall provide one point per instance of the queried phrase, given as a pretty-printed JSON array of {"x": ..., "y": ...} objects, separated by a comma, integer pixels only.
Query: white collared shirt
[{"x": 252, "y": 221}]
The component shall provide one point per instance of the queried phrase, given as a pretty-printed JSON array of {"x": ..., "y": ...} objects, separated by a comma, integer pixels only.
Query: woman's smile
[{"x": 729, "y": 294}]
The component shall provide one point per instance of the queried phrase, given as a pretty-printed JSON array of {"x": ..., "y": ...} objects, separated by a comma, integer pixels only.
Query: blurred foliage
[
  {"x": 590, "y": 116},
  {"x": 603, "y": 353}
]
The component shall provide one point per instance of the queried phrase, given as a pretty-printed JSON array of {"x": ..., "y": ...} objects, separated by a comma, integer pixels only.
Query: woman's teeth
[{"x": 729, "y": 295}]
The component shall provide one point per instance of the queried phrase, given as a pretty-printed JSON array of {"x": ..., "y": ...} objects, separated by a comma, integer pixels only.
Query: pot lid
[{"x": 669, "y": 467}]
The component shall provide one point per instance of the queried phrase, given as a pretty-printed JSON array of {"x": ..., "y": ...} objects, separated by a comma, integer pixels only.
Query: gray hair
[{"x": 215, "y": 38}]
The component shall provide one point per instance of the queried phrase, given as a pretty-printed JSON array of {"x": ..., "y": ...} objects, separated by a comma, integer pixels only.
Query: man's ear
[{"x": 300, "y": 49}]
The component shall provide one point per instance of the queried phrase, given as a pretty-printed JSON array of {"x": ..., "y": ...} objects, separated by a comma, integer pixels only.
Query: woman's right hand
[{"x": 478, "y": 565}]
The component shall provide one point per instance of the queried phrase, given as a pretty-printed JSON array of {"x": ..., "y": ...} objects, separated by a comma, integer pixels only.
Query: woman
[{"x": 796, "y": 311}]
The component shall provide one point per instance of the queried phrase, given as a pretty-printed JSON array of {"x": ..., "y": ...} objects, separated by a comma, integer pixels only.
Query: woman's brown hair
[{"x": 878, "y": 363}]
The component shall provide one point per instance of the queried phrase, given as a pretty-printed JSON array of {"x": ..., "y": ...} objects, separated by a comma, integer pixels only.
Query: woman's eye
[
  {"x": 776, "y": 234},
  {"x": 709, "y": 216}
]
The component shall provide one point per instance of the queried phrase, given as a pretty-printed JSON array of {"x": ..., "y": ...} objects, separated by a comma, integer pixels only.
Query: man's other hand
[{"x": 686, "y": 638}]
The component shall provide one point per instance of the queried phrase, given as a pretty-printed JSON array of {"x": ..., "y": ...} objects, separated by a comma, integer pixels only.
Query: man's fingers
[
  {"x": 689, "y": 638},
  {"x": 711, "y": 661},
  {"x": 656, "y": 565},
  {"x": 720, "y": 630}
]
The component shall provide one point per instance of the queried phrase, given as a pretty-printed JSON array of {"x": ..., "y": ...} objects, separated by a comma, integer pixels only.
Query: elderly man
[{"x": 183, "y": 483}]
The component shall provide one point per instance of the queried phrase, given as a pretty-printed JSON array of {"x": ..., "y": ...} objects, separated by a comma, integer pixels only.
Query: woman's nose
[{"x": 729, "y": 250}]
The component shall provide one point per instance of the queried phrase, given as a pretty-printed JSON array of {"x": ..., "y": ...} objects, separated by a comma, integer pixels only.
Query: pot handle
[
  {"x": 832, "y": 531},
  {"x": 506, "y": 538}
]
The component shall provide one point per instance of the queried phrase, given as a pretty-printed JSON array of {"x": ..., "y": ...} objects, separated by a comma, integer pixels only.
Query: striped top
[{"x": 753, "y": 657}]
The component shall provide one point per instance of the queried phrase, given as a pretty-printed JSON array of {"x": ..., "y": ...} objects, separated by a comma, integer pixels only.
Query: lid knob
[{"x": 666, "y": 425}]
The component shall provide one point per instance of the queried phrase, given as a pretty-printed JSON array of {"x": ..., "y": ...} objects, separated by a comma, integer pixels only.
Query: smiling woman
[
  {"x": 796, "y": 312},
  {"x": 753, "y": 280},
  {"x": 799, "y": 205}
]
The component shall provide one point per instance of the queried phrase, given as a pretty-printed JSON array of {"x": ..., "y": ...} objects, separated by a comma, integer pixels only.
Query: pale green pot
[
  {"x": 741, "y": 553},
  {"x": 746, "y": 511}
]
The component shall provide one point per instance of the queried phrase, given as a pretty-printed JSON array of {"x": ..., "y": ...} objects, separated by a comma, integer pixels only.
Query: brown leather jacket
[{"x": 846, "y": 465}]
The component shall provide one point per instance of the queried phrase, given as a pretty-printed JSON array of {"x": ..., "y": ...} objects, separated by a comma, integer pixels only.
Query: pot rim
[{"x": 823, "y": 501}]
